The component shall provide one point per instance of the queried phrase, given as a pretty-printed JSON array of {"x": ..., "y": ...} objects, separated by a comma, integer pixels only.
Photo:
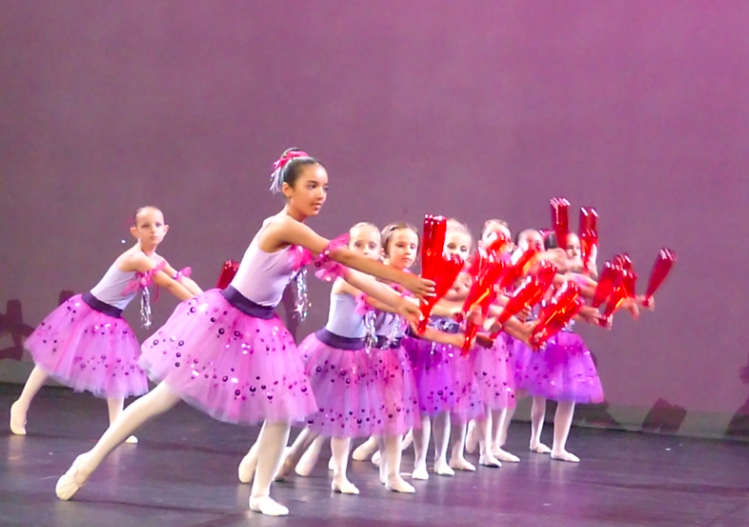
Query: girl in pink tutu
[
  {"x": 563, "y": 371},
  {"x": 400, "y": 413},
  {"x": 86, "y": 344},
  {"x": 227, "y": 353},
  {"x": 493, "y": 369},
  {"x": 445, "y": 381}
]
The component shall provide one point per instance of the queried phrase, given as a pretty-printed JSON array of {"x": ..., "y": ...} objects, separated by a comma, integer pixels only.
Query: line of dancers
[{"x": 368, "y": 373}]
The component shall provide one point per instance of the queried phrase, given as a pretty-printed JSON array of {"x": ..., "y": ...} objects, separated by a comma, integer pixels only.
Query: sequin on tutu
[
  {"x": 401, "y": 398},
  {"x": 346, "y": 388},
  {"x": 494, "y": 374},
  {"x": 444, "y": 379},
  {"x": 564, "y": 371},
  {"x": 88, "y": 350},
  {"x": 234, "y": 367}
]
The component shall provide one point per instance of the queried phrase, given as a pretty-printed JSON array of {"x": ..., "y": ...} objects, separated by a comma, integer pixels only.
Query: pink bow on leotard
[
  {"x": 143, "y": 280},
  {"x": 184, "y": 272}
]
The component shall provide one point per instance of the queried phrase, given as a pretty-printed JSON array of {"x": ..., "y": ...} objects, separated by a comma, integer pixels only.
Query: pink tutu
[
  {"x": 494, "y": 375},
  {"x": 234, "y": 366},
  {"x": 345, "y": 385},
  {"x": 444, "y": 379},
  {"x": 401, "y": 399},
  {"x": 89, "y": 350},
  {"x": 564, "y": 371}
]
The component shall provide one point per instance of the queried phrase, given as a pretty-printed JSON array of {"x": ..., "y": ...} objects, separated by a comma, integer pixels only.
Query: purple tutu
[
  {"x": 444, "y": 379},
  {"x": 494, "y": 375},
  {"x": 88, "y": 350},
  {"x": 564, "y": 371},
  {"x": 235, "y": 367},
  {"x": 345, "y": 385},
  {"x": 400, "y": 396}
]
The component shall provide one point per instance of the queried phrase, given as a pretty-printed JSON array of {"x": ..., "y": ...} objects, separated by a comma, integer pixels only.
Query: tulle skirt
[
  {"x": 346, "y": 386},
  {"x": 89, "y": 350},
  {"x": 234, "y": 366}
]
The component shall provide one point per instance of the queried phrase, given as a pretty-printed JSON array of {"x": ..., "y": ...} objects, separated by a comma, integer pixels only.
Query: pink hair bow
[
  {"x": 276, "y": 180},
  {"x": 278, "y": 165}
]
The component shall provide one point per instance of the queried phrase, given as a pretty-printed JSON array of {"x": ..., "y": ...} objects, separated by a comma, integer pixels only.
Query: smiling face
[{"x": 308, "y": 191}]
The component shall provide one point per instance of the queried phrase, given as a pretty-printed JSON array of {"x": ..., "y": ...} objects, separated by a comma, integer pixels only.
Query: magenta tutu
[
  {"x": 399, "y": 390},
  {"x": 564, "y": 371},
  {"x": 494, "y": 375},
  {"x": 235, "y": 367},
  {"x": 444, "y": 379},
  {"x": 345, "y": 385},
  {"x": 88, "y": 350}
]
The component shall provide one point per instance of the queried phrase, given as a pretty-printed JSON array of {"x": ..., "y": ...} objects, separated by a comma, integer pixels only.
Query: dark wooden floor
[{"x": 183, "y": 473}]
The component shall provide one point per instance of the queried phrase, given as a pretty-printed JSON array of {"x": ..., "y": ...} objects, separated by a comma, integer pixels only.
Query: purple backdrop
[{"x": 474, "y": 109}]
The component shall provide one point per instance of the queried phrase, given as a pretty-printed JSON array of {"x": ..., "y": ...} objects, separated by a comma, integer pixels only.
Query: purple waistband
[
  {"x": 247, "y": 306},
  {"x": 102, "y": 307},
  {"x": 339, "y": 342}
]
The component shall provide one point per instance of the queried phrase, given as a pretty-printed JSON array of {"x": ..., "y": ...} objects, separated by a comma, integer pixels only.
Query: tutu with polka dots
[
  {"x": 494, "y": 369},
  {"x": 444, "y": 379},
  {"x": 346, "y": 387},
  {"x": 563, "y": 371},
  {"x": 89, "y": 350},
  {"x": 235, "y": 367}
]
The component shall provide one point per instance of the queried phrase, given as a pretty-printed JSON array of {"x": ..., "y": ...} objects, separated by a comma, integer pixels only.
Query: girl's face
[
  {"x": 530, "y": 239},
  {"x": 365, "y": 239},
  {"x": 402, "y": 248},
  {"x": 573, "y": 247},
  {"x": 457, "y": 242},
  {"x": 149, "y": 228},
  {"x": 309, "y": 191},
  {"x": 494, "y": 229}
]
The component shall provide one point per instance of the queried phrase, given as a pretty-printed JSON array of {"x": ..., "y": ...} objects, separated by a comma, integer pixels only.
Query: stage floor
[{"x": 183, "y": 473}]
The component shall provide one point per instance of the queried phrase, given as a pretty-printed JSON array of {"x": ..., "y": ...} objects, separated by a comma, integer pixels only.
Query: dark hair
[
  {"x": 550, "y": 241},
  {"x": 288, "y": 168},
  {"x": 387, "y": 234}
]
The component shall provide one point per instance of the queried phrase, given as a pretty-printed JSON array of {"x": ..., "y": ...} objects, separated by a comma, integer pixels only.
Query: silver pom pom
[
  {"x": 145, "y": 308},
  {"x": 369, "y": 326},
  {"x": 301, "y": 305}
]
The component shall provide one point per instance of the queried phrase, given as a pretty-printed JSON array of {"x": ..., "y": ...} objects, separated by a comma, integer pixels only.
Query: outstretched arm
[
  {"x": 143, "y": 264},
  {"x": 186, "y": 281},
  {"x": 383, "y": 295},
  {"x": 284, "y": 230}
]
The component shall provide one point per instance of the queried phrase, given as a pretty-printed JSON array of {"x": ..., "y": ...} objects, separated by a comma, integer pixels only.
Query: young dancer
[{"x": 86, "y": 344}]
